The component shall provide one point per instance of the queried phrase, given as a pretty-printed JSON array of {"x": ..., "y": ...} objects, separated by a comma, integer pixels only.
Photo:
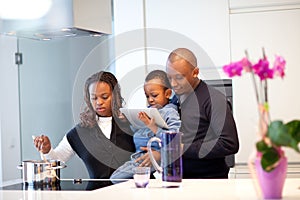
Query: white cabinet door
[
  {"x": 202, "y": 26},
  {"x": 279, "y": 33},
  {"x": 262, "y": 4},
  {"x": 129, "y": 43},
  {"x": 9, "y": 110}
]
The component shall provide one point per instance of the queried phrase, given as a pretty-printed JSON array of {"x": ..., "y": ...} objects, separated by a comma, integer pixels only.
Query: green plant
[{"x": 278, "y": 135}]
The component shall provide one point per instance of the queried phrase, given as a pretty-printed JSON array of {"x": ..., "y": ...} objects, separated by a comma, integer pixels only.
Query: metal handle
[
  {"x": 20, "y": 166},
  {"x": 153, "y": 161},
  {"x": 58, "y": 167}
]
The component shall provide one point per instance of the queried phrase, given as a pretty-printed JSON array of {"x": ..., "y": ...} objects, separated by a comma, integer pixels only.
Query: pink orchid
[
  {"x": 246, "y": 64},
  {"x": 233, "y": 69},
  {"x": 279, "y": 66},
  {"x": 236, "y": 68},
  {"x": 262, "y": 69}
]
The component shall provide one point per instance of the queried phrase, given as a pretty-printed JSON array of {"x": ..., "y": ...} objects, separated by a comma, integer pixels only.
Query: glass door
[{"x": 52, "y": 75}]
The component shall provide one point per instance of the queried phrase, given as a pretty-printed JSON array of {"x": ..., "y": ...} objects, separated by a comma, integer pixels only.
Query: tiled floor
[{"x": 242, "y": 171}]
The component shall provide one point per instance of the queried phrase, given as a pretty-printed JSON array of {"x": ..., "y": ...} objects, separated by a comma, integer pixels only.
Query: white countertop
[{"x": 190, "y": 189}]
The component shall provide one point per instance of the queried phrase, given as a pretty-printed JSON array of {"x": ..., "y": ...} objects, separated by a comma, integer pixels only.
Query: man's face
[{"x": 181, "y": 76}]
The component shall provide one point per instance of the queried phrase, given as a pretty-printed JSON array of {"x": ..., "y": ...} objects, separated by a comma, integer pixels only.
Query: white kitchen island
[{"x": 190, "y": 189}]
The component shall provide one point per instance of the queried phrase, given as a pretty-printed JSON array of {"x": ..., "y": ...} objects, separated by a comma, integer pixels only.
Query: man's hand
[{"x": 146, "y": 162}]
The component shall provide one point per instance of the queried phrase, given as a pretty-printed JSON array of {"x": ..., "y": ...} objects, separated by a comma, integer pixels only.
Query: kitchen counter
[{"x": 190, "y": 189}]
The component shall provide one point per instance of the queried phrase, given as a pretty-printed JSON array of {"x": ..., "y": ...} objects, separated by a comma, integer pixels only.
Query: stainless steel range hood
[{"x": 65, "y": 18}]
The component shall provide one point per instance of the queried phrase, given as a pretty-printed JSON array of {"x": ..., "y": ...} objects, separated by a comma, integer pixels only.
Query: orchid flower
[
  {"x": 272, "y": 138},
  {"x": 236, "y": 68},
  {"x": 262, "y": 69},
  {"x": 279, "y": 66},
  {"x": 233, "y": 69}
]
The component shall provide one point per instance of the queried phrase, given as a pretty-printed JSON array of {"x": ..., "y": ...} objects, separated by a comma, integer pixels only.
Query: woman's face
[{"x": 101, "y": 98}]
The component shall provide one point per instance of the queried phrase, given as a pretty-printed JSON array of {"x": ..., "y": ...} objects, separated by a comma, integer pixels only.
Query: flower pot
[{"x": 271, "y": 183}]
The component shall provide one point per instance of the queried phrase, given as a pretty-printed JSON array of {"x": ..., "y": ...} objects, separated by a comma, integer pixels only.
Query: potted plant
[{"x": 270, "y": 161}]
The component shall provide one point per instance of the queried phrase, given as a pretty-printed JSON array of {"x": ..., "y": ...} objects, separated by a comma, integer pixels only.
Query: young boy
[{"x": 158, "y": 92}]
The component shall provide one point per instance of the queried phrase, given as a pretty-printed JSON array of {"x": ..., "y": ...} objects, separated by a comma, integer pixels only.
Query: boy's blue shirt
[{"x": 141, "y": 136}]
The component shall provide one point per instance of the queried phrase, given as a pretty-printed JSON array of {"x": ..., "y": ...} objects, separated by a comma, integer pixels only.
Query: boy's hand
[{"x": 149, "y": 122}]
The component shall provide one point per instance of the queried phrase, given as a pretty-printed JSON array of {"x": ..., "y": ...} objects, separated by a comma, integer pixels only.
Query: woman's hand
[
  {"x": 146, "y": 162},
  {"x": 42, "y": 144}
]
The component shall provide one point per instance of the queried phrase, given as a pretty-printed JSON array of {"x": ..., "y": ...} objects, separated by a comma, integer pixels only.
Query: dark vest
[{"x": 101, "y": 155}]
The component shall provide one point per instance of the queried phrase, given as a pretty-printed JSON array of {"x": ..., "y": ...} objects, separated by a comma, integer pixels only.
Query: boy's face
[
  {"x": 101, "y": 98},
  {"x": 156, "y": 93}
]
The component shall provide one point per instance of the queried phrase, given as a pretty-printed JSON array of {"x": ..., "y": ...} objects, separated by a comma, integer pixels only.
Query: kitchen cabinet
[
  {"x": 9, "y": 110},
  {"x": 262, "y": 5},
  {"x": 202, "y": 26},
  {"x": 129, "y": 50}
]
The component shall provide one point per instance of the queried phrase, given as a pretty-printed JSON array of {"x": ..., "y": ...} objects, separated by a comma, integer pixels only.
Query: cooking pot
[{"x": 41, "y": 172}]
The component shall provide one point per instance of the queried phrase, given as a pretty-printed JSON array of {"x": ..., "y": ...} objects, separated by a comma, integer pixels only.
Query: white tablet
[{"x": 132, "y": 115}]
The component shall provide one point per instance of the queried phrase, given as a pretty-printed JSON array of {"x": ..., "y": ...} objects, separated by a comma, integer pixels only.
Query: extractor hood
[{"x": 65, "y": 18}]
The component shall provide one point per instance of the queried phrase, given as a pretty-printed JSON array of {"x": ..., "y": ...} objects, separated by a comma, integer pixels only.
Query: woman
[{"x": 102, "y": 139}]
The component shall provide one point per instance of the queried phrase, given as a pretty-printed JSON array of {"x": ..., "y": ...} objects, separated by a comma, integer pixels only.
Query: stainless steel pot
[{"x": 40, "y": 172}]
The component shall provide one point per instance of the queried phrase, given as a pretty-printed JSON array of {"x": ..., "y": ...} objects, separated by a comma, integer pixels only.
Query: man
[{"x": 208, "y": 127}]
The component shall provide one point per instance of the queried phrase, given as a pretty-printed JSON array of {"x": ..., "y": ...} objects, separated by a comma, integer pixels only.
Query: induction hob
[{"x": 76, "y": 184}]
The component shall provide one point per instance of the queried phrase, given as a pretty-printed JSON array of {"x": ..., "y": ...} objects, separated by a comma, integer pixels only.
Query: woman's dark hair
[
  {"x": 161, "y": 75},
  {"x": 88, "y": 116}
]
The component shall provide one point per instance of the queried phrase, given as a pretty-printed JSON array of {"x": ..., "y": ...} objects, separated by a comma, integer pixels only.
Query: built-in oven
[{"x": 224, "y": 86}]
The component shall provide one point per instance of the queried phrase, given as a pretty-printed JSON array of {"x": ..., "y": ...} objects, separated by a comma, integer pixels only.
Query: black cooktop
[{"x": 65, "y": 185}]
